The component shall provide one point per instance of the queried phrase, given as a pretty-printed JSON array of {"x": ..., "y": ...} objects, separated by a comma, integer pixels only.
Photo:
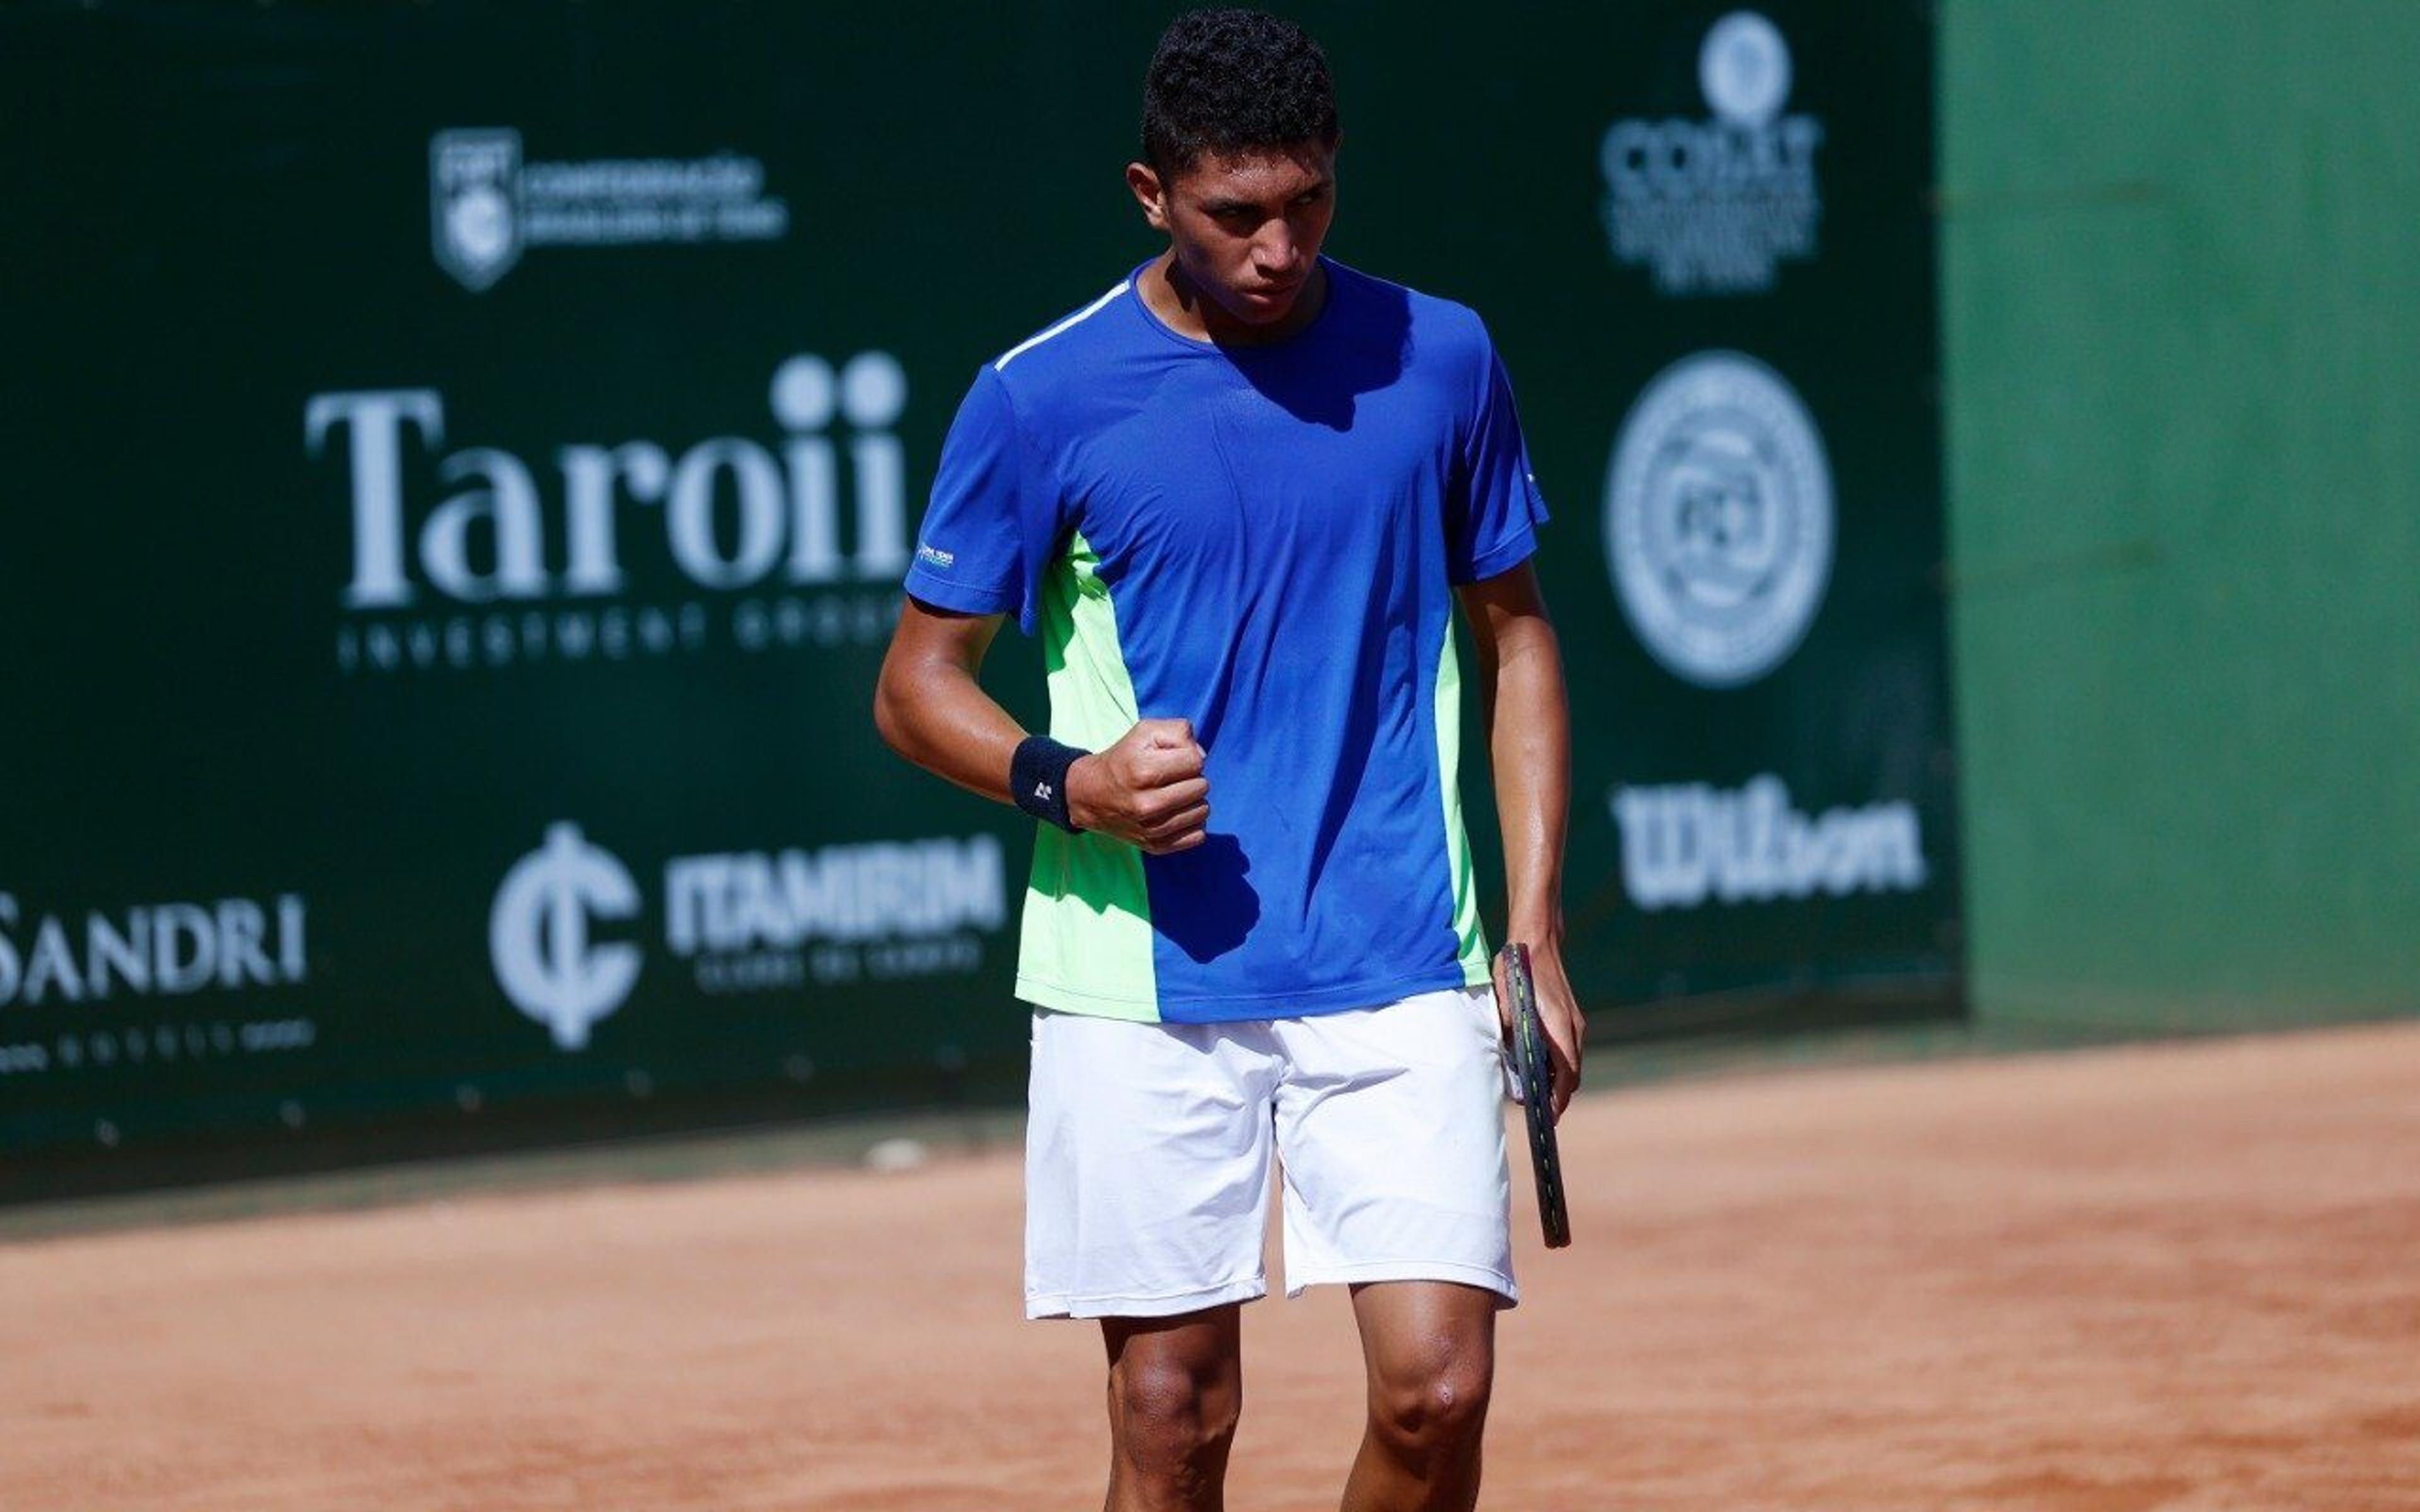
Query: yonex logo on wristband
[{"x": 1038, "y": 778}]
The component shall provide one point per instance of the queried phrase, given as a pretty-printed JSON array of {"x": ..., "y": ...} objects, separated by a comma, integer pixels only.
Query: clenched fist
[{"x": 1147, "y": 790}]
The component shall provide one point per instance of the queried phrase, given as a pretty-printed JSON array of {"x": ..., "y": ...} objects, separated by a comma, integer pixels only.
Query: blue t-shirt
[{"x": 1262, "y": 540}]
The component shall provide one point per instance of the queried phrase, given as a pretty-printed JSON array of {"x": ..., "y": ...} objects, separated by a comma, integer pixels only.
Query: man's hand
[
  {"x": 1559, "y": 1014},
  {"x": 1146, "y": 790}
]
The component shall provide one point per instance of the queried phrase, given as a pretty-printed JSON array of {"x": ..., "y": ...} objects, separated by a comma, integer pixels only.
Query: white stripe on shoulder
[{"x": 1078, "y": 318}]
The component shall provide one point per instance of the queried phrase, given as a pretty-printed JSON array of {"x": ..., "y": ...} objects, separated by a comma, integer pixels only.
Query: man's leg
[
  {"x": 1176, "y": 1387},
  {"x": 1430, "y": 1348},
  {"x": 1390, "y": 1124}
]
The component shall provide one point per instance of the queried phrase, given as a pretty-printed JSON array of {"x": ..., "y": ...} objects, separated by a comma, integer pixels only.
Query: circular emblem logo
[
  {"x": 1718, "y": 518},
  {"x": 538, "y": 934},
  {"x": 1744, "y": 68},
  {"x": 481, "y": 223}
]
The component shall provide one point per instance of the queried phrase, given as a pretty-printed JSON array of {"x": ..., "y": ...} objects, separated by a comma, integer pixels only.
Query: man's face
[{"x": 1247, "y": 229}]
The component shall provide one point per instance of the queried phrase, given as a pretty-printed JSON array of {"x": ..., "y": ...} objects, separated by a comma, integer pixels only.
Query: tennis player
[{"x": 1236, "y": 495}]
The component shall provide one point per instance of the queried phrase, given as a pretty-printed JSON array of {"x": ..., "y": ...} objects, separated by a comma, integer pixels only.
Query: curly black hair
[{"x": 1230, "y": 81}]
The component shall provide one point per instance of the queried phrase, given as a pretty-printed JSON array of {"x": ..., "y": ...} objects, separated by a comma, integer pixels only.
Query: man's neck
[{"x": 1185, "y": 310}]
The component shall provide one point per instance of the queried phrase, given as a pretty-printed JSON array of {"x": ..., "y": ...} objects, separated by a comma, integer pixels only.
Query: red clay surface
[{"x": 2174, "y": 1277}]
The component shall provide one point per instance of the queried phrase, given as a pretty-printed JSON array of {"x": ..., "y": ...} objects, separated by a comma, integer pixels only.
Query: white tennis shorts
[{"x": 1148, "y": 1145}]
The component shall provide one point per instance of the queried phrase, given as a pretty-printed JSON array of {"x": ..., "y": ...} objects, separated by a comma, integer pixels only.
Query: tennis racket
[{"x": 1533, "y": 1065}]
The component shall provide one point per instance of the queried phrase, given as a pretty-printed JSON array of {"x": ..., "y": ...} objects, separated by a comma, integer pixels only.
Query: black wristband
[{"x": 1038, "y": 778}]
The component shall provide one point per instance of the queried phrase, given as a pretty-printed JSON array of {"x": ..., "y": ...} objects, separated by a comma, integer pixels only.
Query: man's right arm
[{"x": 930, "y": 707}]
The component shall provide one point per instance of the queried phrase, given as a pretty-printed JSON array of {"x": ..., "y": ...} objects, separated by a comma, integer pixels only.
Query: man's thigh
[
  {"x": 1391, "y": 1127},
  {"x": 1146, "y": 1167}
]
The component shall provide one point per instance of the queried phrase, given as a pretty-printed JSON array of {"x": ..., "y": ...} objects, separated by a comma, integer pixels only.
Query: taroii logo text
[
  {"x": 744, "y": 922},
  {"x": 485, "y": 205},
  {"x": 743, "y": 521},
  {"x": 1688, "y": 843},
  {"x": 1718, "y": 518},
  {"x": 1711, "y": 206}
]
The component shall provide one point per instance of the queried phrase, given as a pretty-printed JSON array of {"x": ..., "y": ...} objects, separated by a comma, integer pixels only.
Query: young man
[{"x": 1237, "y": 494}]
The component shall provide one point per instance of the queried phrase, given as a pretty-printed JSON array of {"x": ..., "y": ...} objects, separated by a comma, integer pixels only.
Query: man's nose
[{"x": 1276, "y": 251}]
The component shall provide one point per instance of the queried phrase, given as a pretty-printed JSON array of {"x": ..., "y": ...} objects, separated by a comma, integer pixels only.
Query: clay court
[{"x": 2184, "y": 1277}]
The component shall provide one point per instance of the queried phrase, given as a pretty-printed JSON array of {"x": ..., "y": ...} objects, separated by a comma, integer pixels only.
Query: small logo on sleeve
[{"x": 936, "y": 557}]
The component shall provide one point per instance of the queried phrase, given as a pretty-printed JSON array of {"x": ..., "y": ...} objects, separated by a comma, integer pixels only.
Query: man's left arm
[{"x": 1529, "y": 748}]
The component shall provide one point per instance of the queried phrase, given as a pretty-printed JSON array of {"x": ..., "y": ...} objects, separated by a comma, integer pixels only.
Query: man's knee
[
  {"x": 1170, "y": 1413},
  {"x": 1436, "y": 1407}
]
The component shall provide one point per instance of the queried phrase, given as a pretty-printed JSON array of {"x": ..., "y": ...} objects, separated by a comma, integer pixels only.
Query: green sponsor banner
[
  {"x": 1740, "y": 410},
  {"x": 464, "y": 458}
]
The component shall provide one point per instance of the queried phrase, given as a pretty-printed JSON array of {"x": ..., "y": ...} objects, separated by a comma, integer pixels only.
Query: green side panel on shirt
[
  {"x": 1471, "y": 940},
  {"x": 1085, "y": 940}
]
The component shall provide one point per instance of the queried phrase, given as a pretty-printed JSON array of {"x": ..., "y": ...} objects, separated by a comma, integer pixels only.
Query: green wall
[{"x": 2181, "y": 308}]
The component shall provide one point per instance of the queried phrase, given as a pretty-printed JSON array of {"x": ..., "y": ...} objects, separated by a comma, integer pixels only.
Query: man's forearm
[
  {"x": 1147, "y": 790},
  {"x": 1529, "y": 747}
]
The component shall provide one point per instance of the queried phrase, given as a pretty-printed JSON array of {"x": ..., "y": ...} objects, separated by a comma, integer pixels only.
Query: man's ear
[{"x": 1149, "y": 193}]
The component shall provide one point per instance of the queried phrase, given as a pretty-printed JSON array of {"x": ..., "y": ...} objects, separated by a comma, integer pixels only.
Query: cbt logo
[
  {"x": 474, "y": 196},
  {"x": 486, "y": 204},
  {"x": 1718, "y": 518},
  {"x": 538, "y": 935}
]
